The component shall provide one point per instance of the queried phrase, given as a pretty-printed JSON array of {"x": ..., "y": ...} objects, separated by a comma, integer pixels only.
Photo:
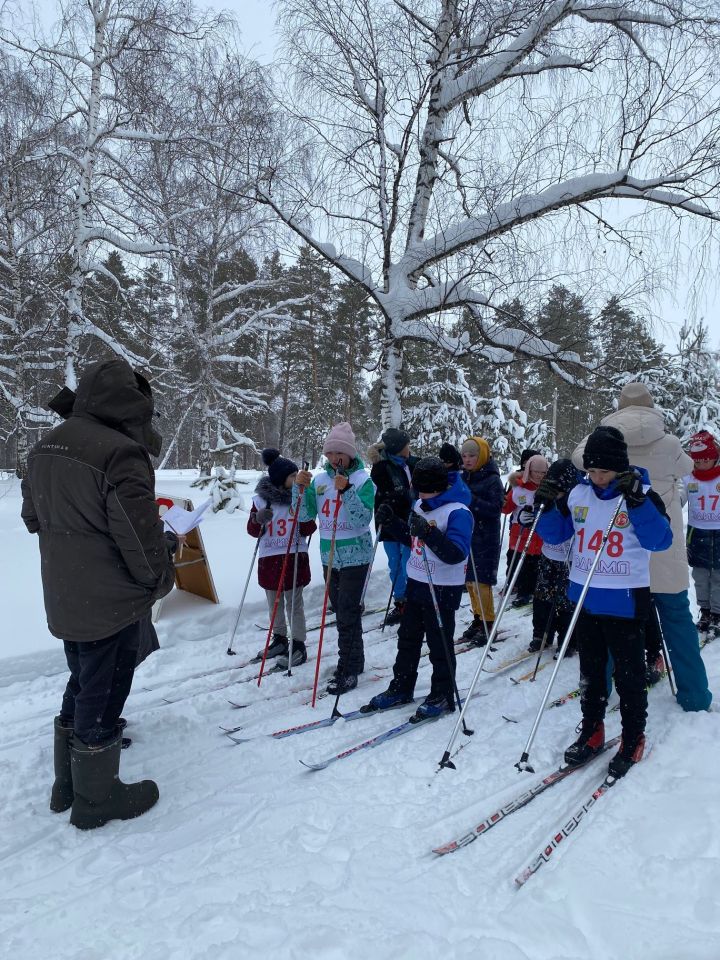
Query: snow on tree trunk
[{"x": 391, "y": 374}]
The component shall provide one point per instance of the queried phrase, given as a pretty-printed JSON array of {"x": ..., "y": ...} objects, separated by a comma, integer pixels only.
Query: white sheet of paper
[{"x": 183, "y": 521}]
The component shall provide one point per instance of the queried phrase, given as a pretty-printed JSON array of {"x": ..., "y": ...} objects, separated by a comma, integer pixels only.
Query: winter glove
[
  {"x": 171, "y": 541},
  {"x": 526, "y": 516},
  {"x": 263, "y": 516},
  {"x": 419, "y": 526},
  {"x": 384, "y": 515},
  {"x": 629, "y": 484},
  {"x": 546, "y": 494}
]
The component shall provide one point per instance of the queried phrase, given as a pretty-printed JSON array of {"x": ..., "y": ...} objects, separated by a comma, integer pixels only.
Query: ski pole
[
  {"x": 550, "y": 620},
  {"x": 441, "y": 628},
  {"x": 370, "y": 566},
  {"x": 477, "y": 593},
  {"x": 281, "y": 582},
  {"x": 666, "y": 654},
  {"x": 446, "y": 761},
  {"x": 328, "y": 577},
  {"x": 230, "y": 652},
  {"x": 306, "y": 466},
  {"x": 522, "y": 764}
]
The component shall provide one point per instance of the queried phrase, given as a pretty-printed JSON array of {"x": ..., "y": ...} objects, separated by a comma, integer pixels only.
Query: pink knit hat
[
  {"x": 341, "y": 439},
  {"x": 534, "y": 463}
]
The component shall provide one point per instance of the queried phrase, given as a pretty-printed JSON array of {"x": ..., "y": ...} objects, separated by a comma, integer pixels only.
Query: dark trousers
[
  {"x": 547, "y": 616},
  {"x": 653, "y": 637},
  {"x": 346, "y": 586},
  {"x": 525, "y": 583},
  {"x": 420, "y": 622},
  {"x": 101, "y": 673},
  {"x": 625, "y": 640}
]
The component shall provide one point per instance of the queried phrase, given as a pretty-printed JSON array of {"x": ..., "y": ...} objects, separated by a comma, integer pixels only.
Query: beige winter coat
[{"x": 664, "y": 459}]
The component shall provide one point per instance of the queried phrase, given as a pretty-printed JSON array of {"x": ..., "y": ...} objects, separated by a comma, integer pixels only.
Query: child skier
[
  {"x": 482, "y": 477},
  {"x": 342, "y": 498},
  {"x": 519, "y": 503},
  {"x": 441, "y": 528},
  {"x": 618, "y": 600},
  {"x": 391, "y": 472},
  {"x": 271, "y": 520},
  {"x": 702, "y": 487},
  {"x": 552, "y": 609}
]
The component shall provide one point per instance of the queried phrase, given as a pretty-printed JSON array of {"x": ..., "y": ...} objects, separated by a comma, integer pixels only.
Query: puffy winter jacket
[
  {"x": 651, "y": 526},
  {"x": 666, "y": 462},
  {"x": 270, "y": 568},
  {"x": 90, "y": 496},
  {"x": 518, "y": 531},
  {"x": 487, "y": 495},
  {"x": 392, "y": 484},
  {"x": 358, "y": 503}
]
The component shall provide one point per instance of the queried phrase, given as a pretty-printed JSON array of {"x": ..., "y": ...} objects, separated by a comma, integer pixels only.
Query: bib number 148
[{"x": 614, "y": 545}]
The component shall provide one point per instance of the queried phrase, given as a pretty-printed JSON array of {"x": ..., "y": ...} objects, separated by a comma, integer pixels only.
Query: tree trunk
[{"x": 391, "y": 374}]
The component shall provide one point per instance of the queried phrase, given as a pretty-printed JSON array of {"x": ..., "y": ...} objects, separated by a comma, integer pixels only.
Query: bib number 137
[{"x": 614, "y": 545}]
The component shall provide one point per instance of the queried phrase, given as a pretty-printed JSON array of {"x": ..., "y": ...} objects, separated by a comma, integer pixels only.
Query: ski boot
[
  {"x": 395, "y": 615},
  {"x": 654, "y": 671},
  {"x": 522, "y": 601},
  {"x": 342, "y": 683},
  {"x": 534, "y": 645},
  {"x": 299, "y": 655},
  {"x": 474, "y": 631},
  {"x": 588, "y": 744},
  {"x": 703, "y": 624},
  {"x": 630, "y": 752},
  {"x": 435, "y": 705},
  {"x": 278, "y": 644},
  {"x": 388, "y": 700}
]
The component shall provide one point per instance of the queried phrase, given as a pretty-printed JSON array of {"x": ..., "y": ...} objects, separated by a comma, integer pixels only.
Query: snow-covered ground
[{"x": 248, "y": 854}]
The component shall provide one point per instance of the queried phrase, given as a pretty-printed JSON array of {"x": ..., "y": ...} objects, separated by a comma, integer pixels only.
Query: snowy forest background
[{"x": 449, "y": 215}]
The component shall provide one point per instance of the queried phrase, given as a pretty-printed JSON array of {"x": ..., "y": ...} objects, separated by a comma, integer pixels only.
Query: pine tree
[
  {"x": 693, "y": 384},
  {"x": 439, "y": 405},
  {"x": 502, "y": 422}
]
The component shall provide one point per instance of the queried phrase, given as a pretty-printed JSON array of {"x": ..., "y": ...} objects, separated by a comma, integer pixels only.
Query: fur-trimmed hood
[{"x": 272, "y": 494}]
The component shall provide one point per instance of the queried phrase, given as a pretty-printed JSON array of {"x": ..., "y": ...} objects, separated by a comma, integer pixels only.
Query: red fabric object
[
  {"x": 712, "y": 474},
  {"x": 518, "y": 534},
  {"x": 270, "y": 568},
  {"x": 703, "y": 446}
]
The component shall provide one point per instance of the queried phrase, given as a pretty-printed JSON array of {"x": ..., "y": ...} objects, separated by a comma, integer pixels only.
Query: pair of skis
[{"x": 569, "y": 825}]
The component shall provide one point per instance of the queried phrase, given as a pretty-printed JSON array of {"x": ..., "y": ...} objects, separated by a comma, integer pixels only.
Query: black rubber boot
[
  {"x": 99, "y": 793},
  {"x": 62, "y": 795}
]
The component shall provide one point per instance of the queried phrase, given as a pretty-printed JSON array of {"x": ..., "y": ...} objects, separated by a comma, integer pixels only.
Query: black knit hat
[
  {"x": 563, "y": 474},
  {"x": 430, "y": 476},
  {"x": 526, "y": 454},
  {"x": 279, "y": 468},
  {"x": 450, "y": 455},
  {"x": 394, "y": 440},
  {"x": 606, "y": 449}
]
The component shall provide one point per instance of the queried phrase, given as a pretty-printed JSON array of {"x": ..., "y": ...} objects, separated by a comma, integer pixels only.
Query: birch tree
[
  {"x": 454, "y": 148},
  {"x": 104, "y": 56},
  {"x": 31, "y": 237}
]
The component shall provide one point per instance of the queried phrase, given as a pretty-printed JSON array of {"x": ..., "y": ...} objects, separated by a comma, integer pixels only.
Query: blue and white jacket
[{"x": 652, "y": 529}]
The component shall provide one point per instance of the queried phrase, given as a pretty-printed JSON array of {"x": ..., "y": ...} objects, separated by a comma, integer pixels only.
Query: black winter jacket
[
  {"x": 487, "y": 499},
  {"x": 393, "y": 487},
  {"x": 90, "y": 496},
  {"x": 703, "y": 548}
]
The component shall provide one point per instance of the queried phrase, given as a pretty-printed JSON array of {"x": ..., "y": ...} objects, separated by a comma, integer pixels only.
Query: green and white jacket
[{"x": 354, "y": 506}]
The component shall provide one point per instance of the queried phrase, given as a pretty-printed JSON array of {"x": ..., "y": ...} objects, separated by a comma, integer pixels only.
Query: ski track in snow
[{"x": 249, "y": 855}]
